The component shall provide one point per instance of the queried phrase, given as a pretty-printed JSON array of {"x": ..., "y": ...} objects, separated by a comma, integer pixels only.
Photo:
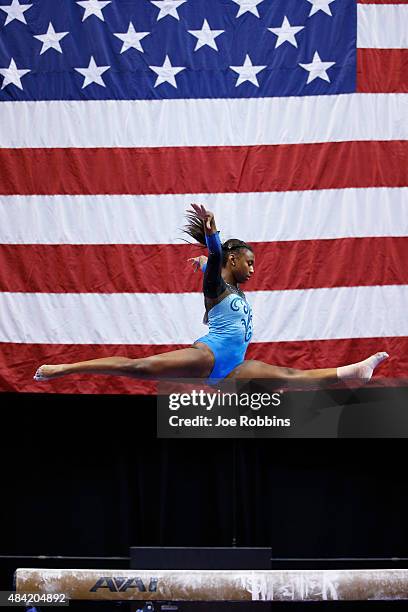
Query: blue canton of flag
[{"x": 139, "y": 50}]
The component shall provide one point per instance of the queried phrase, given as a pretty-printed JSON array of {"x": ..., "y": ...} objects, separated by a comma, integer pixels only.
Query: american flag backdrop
[{"x": 287, "y": 118}]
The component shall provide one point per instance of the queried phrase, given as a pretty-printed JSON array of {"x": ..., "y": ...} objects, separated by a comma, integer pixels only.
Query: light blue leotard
[{"x": 230, "y": 330}]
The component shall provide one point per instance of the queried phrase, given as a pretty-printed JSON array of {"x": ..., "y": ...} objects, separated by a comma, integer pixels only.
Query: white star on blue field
[{"x": 155, "y": 49}]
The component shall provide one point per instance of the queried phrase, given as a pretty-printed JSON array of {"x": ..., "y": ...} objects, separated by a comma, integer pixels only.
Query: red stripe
[
  {"x": 298, "y": 264},
  {"x": 382, "y": 70},
  {"x": 18, "y": 362},
  {"x": 346, "y": 262},
  {"x": 204, "y": 169}
]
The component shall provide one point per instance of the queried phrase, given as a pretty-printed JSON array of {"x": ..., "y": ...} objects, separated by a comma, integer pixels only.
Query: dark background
[{"x": 86, "y": 476}]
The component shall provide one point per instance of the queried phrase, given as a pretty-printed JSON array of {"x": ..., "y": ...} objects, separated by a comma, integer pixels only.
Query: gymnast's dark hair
[{"x": 194, "y": 228}]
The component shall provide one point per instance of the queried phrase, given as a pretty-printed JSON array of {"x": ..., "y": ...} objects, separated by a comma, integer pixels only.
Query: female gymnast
[{"x": 220, "y": 353}]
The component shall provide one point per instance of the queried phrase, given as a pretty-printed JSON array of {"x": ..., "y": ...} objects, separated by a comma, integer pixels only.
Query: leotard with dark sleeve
[{"x": 230, "y": 320}]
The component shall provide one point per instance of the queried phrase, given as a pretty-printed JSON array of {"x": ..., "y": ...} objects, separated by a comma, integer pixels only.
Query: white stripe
[
  {"x": 313, "y": 314},
  {"x": 255, "y": 217},
  {"x": 166, "y": 123},
  {"x": 382, "y": 26}
]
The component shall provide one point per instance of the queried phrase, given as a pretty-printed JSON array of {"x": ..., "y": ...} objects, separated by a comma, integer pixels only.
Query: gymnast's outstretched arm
[{"x": 213, "y": 283}]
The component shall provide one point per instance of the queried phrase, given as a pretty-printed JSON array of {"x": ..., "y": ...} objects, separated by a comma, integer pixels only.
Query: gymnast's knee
[
  {"x": 253, "y": 368},
  {"x": 132, "y": 367},
  {"x": 142, "y": 368},
  {"x": 290, "y": 372}
]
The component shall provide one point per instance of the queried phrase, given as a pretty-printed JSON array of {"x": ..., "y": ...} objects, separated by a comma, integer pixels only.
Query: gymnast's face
[{"x": 243, "y": 265}]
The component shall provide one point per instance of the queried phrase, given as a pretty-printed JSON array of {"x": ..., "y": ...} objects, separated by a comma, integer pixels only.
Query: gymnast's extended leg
[
  {"x": 193, "y": 362},
  {"x": 289, "y": 377}
]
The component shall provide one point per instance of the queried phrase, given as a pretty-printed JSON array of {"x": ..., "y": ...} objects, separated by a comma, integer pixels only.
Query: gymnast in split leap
[{"x": 221, "y": 353}]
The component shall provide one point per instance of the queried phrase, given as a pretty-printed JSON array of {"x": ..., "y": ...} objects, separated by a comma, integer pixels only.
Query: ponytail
[{"x": 194, "y": 228}]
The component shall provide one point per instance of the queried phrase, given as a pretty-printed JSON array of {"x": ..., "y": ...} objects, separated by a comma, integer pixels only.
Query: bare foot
[
  {"x": 47, "y": 372},
  {"x": 363, "y": 370}
]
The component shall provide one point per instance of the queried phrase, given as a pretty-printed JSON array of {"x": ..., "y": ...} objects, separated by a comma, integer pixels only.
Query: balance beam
[{"x": 217, "y": 585}]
